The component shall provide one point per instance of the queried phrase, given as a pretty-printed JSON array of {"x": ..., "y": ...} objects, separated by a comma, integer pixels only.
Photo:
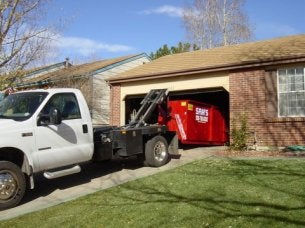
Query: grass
[{"x": 207, "y": 193}]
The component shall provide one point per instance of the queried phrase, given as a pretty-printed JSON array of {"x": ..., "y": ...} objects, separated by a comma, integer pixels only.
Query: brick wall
[
  {"x": 250, "y": 94},
  {"x": 115, "y": 104}
]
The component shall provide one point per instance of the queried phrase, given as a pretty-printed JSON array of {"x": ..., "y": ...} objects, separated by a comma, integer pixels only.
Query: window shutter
[{"x": 271, "y": 94}]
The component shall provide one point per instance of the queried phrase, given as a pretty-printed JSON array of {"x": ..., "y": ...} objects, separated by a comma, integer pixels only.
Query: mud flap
[{"x": 173, "y": 143}]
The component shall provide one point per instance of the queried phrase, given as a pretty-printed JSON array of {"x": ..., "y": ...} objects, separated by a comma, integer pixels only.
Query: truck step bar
[{"x": 61, "y": 173}]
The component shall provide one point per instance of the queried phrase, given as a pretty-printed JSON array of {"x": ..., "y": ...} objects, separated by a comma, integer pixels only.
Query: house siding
[
  {"x": 100, "y": 101},
  {"x": 101, "y": 91},
  {"x": 253, "y": 93}
]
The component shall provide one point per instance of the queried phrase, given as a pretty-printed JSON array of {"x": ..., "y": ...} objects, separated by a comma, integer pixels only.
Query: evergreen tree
[{"x": 180, "y": 48}]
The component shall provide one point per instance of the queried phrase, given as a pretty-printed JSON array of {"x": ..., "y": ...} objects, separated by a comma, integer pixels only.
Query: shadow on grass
[
  {"x": 223, "y": 204},
  {"x": 44, "y": 187},
  {"x": 263, "y": 168}
]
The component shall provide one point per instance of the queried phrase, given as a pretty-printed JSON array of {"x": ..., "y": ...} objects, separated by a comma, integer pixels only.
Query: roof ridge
[{"x": 239, "y": 44}]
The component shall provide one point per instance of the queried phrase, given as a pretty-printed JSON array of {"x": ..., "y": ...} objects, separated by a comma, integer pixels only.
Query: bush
[{"x": 239, "y": 135}]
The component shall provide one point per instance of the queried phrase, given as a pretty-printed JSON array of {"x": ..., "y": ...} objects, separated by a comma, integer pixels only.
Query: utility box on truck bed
[{"x": 196, "y": 122}]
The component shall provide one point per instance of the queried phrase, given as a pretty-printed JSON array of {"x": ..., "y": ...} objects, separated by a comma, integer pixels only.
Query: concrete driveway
[{"x": 94, "y": 177}]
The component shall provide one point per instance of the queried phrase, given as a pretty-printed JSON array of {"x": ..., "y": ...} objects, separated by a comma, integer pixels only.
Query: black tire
[
  {"x": 156, "y": 151},
  {"x": 12, "y": 185}
]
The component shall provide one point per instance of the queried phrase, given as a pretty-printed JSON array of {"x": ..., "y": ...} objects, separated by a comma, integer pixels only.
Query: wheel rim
[
  {"x": 160, "y": 151},
  {"x": 8, "y": 185}
]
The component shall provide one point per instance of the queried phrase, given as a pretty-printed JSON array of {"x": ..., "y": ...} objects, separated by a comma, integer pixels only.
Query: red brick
[
  {"x": 115, "y": 104},
  {"x": 248, "y": 96}
]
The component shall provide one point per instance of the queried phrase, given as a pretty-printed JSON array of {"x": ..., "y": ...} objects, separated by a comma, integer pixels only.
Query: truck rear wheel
[
  {"x": 12, "y": 185},
  {"x": 156, "y": 151}
]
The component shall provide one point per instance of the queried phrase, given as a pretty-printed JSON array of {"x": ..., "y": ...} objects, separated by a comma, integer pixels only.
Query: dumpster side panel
[
  {"x": 177, "y": 118},
  {"x": 196, "y": 122}
]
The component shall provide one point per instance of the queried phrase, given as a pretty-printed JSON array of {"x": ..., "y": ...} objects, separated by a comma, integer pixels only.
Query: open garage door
[
  {"x": 213, "y": 96},
  {"x": 211, "y": 127},
  {"x": 218, "y": 97}
]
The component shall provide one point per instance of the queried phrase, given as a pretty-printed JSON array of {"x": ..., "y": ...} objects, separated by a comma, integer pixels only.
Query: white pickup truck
[{"x": 50, "y": 132}]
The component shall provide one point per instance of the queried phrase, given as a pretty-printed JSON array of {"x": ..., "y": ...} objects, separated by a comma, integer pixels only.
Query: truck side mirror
[{"x": 55, "y": 116}]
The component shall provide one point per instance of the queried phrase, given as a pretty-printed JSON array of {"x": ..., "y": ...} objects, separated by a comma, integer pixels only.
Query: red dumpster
[{"x": 195, "y": 122}]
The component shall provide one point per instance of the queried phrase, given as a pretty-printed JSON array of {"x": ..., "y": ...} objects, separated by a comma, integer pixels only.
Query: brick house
[{"x": 265, "y": 81}]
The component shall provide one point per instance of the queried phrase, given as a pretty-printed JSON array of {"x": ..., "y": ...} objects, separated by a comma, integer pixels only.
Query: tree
[
  {"x": 23, "y": 40},
  {"x": 164, "y": 50},
  {"x": 212, "y": 23},
  {"x": 182, "y": 47}
]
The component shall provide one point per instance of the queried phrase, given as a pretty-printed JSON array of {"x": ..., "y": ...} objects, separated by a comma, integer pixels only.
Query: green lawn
[{"x": 208, "y": 193}]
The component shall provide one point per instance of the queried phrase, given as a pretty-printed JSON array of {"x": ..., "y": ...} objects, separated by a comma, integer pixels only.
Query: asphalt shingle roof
[
  {"x": 78, "y": 70},
  {"x": 253, "y": 52}
]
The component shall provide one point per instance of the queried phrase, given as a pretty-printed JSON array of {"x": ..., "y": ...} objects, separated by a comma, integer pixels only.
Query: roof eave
[
  {"x": 55, "y": 78},
  {"x": 194, "y": 71},
  {"x": 121, "y": 62}
]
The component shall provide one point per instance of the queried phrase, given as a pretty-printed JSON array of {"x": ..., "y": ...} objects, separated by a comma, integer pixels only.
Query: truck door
[{"x": 67, "y": 143}]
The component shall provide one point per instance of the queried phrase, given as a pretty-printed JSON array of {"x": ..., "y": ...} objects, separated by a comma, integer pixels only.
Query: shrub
[{"x": 239, "y": 133}]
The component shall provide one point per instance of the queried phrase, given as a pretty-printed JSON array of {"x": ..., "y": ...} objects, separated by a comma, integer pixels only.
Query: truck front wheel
[
  {"x": 156, "y": 151},
  {"x": 12, "y": 185}
]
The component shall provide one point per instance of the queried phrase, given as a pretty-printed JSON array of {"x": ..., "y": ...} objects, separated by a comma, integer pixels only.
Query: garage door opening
[
  {"x": 133, "y": 104},
  {"x": 215, "y": 96},
  {"x": 218, "y": 97}
]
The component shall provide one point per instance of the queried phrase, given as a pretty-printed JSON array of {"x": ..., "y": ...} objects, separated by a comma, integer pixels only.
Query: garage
[
  {"x": 210, "y": 89},
  {"x": 242, "y": 80},
  {"x": 183, "y": 86}
]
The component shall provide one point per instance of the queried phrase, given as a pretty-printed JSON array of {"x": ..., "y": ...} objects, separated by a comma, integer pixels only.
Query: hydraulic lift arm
[{"x": 148, "y": 105}]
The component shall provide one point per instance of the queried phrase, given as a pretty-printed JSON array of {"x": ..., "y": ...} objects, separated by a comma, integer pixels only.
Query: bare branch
[
  {"x": 22, "y": 39},
  {"x": 212, "y": 23}
]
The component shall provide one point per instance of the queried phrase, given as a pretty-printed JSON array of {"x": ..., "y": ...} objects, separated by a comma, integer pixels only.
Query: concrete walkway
[{"x": 95, "y": 177}]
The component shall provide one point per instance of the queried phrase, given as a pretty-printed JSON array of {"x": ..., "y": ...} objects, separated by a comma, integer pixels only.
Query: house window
[{"x": 291, "y": 92}]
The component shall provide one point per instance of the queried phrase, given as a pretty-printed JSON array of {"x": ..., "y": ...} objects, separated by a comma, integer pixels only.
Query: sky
[{"x": 100, "y": 29}]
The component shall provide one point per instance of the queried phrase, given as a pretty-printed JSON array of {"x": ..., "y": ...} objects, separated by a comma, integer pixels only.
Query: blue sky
[{"x": 99, "y": 29}]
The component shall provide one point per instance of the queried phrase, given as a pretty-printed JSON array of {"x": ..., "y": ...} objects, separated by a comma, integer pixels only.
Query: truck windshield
[{"x": 21, "y": 106}]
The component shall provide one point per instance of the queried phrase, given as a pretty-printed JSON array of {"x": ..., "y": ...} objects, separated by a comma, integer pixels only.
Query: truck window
[
  {"x": 21, "y": 106},
  {"x": 66, "y": 103}
]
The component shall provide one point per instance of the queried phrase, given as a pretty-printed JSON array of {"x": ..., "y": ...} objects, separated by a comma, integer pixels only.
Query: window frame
[
  {"x": 75, "y": 100},
  {"x": 278, "y": 91}
]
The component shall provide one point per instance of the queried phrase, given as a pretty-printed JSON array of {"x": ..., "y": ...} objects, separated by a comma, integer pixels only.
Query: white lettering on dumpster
[{"x": 202, "y": 115}]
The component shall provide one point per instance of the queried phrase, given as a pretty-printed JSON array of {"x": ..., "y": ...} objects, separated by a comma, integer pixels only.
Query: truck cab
[{"x": 40, "y": 131}]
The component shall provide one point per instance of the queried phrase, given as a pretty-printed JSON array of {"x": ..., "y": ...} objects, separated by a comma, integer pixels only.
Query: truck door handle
[{"x": 85, "y": 128}]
